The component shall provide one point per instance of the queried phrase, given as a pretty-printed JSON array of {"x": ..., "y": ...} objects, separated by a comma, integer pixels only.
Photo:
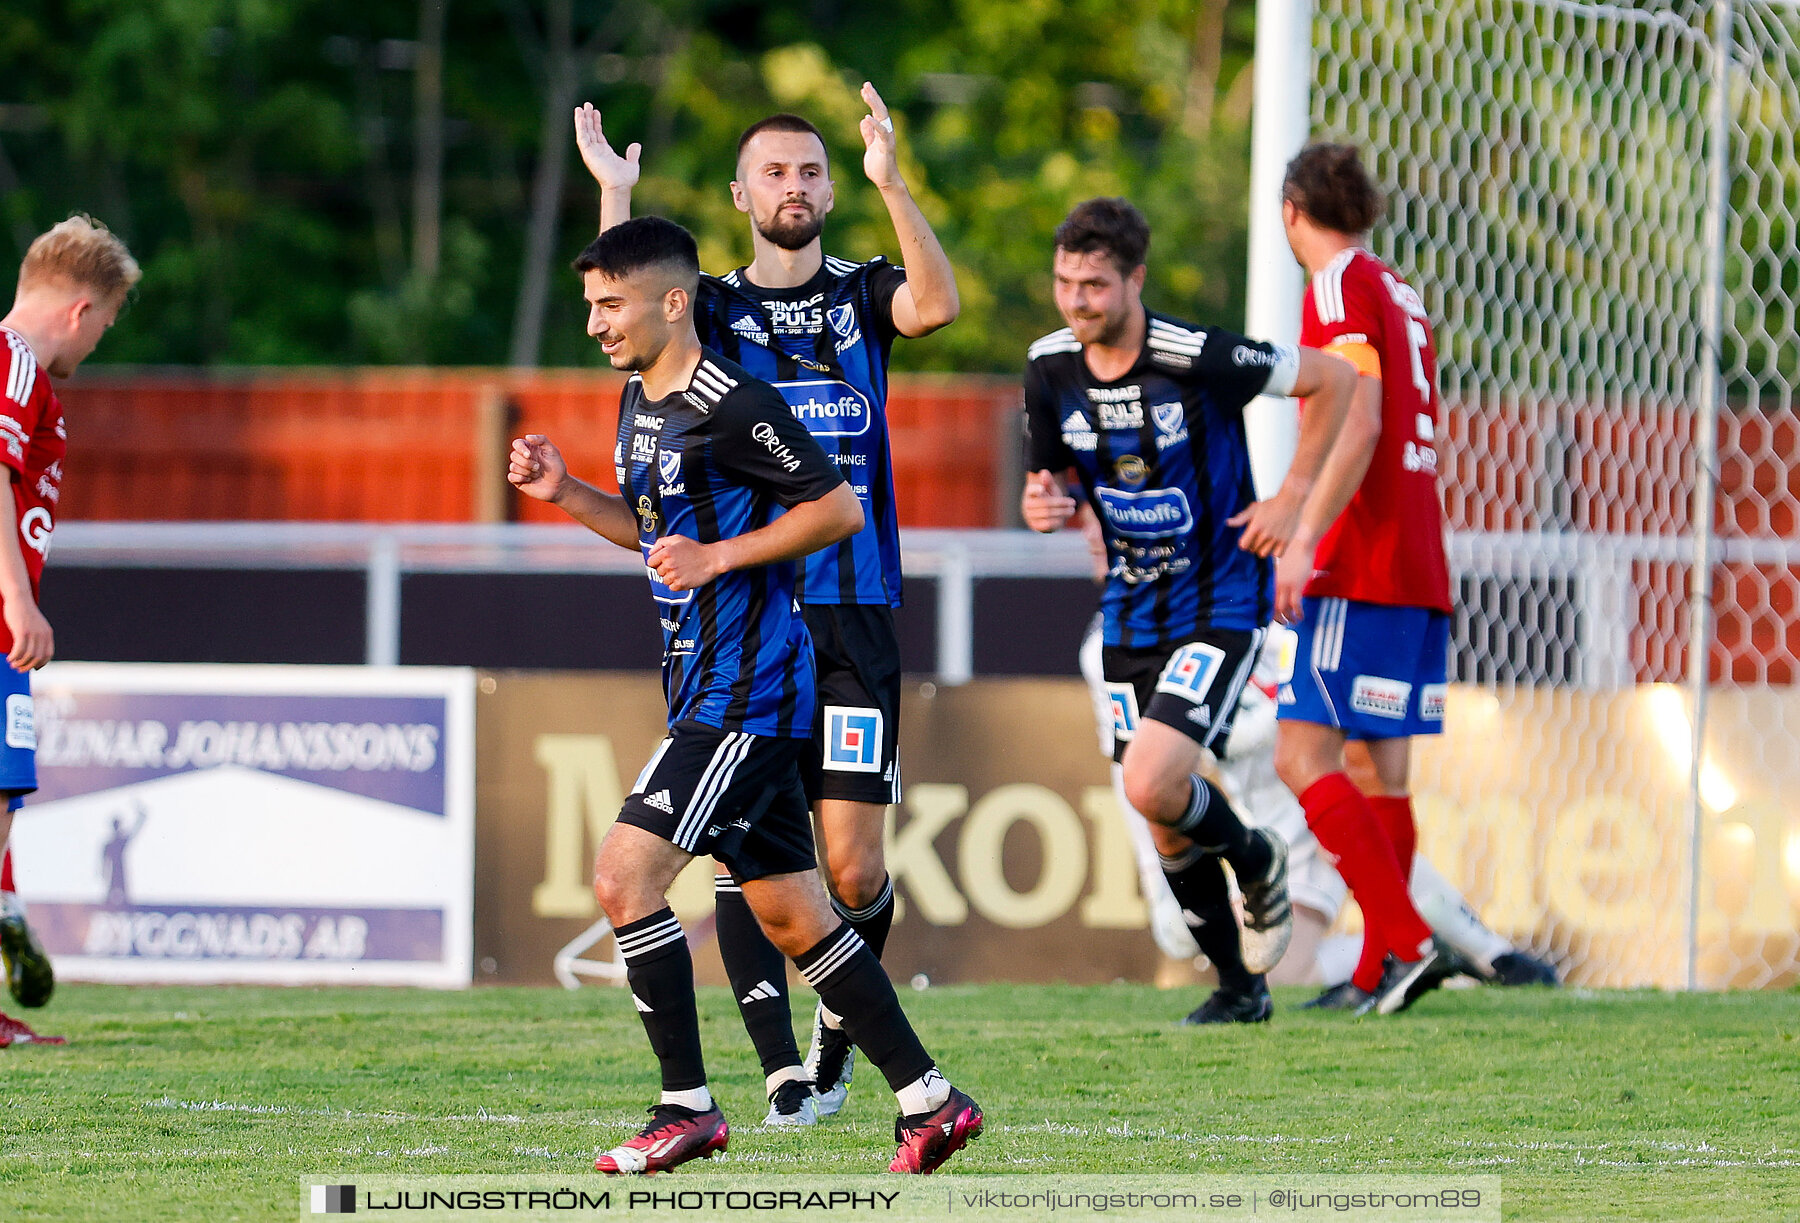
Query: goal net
[{"x": 1553, "y": 171}]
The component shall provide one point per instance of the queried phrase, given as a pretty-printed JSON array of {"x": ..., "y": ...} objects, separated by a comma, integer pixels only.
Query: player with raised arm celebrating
[
  {"x": 1365, "y": 580},
  {"x": 1147, "y": 412},
  {"x": 820, "y": 329},
  {"x": 72, "y": 284},
  {"x": 722, "y": 490}
]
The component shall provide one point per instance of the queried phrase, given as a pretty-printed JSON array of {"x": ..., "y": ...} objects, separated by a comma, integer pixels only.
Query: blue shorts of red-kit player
[
  {"x": 18, "y": 747},
  {"x": 1372, "y": 671}
]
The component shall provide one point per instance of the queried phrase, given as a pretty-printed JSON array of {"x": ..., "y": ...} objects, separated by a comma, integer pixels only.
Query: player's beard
[{"x": 791, "y": 235}]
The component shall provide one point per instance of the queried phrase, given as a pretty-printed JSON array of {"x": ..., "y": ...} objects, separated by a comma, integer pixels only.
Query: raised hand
[
  {"x": 1045, "y": 506},
  {"x": 612, "y": 172},
  {"x": 881, "y": 160},
  {"x": 536, "y": 467}
]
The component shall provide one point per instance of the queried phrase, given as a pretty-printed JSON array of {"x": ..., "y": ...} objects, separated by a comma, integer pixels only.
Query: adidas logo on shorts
[
  {"x": 1201, "y": 715},
  {"x": 660, "y": 800}
]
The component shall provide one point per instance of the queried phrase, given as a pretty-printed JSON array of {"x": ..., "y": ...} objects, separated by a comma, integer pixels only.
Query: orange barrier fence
[
  {"x": 410, "y": 445},
  {"x": 428, "y": 445}
]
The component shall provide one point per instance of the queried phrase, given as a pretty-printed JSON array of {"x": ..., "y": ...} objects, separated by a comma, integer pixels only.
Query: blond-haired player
[{"x": 72, "y": 285}]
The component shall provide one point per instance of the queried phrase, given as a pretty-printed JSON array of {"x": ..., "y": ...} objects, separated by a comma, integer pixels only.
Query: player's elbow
[{"x": 845, "y": 513}]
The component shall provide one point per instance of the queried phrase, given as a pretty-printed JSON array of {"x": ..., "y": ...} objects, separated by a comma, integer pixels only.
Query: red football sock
[
  {"x": 1341, "y": 818},
  {"x": 1393, "y": 817},
  {"x": 6, "y": 883}
]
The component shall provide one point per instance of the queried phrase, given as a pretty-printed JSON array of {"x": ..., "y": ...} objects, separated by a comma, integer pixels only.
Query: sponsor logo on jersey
[
  {"x": 646, "y": 422},
  {"x": 1123, "y": 699},
  {"x": 1076, "y": 435},
  {"x": 751, "y": 330},
  {"x": 1425, "y": 426},
  {"x": 828, "y": 408},
  {"x": 668, "y": 466},
  {"x": 1249, "y": 358},
  {"x": 1380, "y": 697},
  {"x": 643, "y": 447},
  {"x": 35, "y": 528},
  {"x": 1191, "y": 671},
  {"x": 1130, "y": 469},
  {"x": 771, "y": 441},
  {"x": 1117, "y": 407},
  {"x": 793, "y": 318},
  {"x": 1151, "y": 514},
  {"x": 1431, "y": 702},
  {"x": 646, "y": 515},
  {"x": 852, "y": 739}
]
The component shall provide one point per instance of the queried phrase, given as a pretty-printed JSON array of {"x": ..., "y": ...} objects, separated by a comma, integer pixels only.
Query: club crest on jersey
[
  {"x": 1154, "y": 513},
  {"x": 828, "y": 408},
  {"x": 852, "y": 739},
  {"x": 843, "y": 320},
  {"x": 1167, "y": 417},
  {"x": 668, "y": 466},
  {"x": 1191, "y": 671},
  {"x": 1123, "y": 699}
]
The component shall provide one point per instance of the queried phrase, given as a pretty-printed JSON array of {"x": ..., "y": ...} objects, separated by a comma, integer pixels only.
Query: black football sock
[
  {"x": 758, "y": 974},
  {"x": 851, "y": 983},
  {"x": 874, "y": 920},
  {"x": 1210, "y": 823},
  {"x": 661, "y": 975},
  {"x": 1198, "y": 882}
]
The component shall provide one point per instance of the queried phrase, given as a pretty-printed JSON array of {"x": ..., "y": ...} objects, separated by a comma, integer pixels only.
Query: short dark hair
[
  {"x": 782, "y": 122},
  {"x": 1107, "y": 224},
  {"x": 1329, "y": 184},
  {"x": 640, "y": 243}
]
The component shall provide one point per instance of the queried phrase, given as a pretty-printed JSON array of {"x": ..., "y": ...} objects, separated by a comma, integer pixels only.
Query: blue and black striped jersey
[
  {"x": 825, "y": 347},
  {"x": 716, "y": 461},
  {"x": 1162, "y": 458}
]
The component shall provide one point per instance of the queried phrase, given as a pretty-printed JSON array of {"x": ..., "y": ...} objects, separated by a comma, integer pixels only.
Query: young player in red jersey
[
  {"x": 71, "y": 286},
  {"x": 1365, "y": 581}
]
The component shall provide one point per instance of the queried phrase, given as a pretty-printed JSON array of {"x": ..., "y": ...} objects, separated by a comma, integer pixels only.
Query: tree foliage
[{"x": 272, "y": 163}]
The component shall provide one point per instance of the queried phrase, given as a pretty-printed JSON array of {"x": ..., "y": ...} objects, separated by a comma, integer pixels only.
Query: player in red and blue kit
[
  {"x": 72, "y": 284},
  {"x": 1365, "y": 580},
  {"x": 708, "y": 460},
  {"x": 1147, "y": 414},
  {"x": 820, "y": 330}
]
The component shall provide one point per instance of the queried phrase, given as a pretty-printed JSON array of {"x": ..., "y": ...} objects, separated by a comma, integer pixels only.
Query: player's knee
[
  {"x": 1295, "y": 766},
  {"x": 1156, "y": 799},
  {"x": 857, "y": 881},
  {"x": 620, "y": 896}
]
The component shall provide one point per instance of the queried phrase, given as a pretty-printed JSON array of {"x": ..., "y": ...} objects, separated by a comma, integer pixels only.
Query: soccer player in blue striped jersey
[
  {"x": 722, "y": 490},
  {"x": 821, "y": 329},
  {"x": 1144, "y": 414}
]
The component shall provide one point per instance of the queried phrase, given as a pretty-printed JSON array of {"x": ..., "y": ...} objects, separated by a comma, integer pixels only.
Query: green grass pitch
[{"x": 191, "y": 1103}]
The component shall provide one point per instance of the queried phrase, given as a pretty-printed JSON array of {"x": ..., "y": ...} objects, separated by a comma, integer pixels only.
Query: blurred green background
[{"x": 395, "y": 181}]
